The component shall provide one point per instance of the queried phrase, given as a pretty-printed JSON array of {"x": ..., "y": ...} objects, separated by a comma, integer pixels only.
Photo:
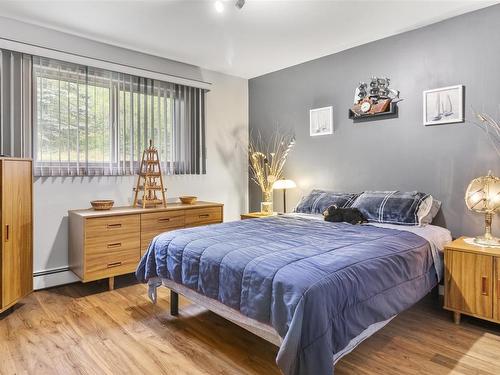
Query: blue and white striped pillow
[
  {"x": 317, "y": 201},
  {"x": 391, "y": 207}
]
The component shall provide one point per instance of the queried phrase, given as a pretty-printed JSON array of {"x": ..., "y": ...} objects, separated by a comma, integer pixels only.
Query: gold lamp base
[{"x": 487, "y": 239}]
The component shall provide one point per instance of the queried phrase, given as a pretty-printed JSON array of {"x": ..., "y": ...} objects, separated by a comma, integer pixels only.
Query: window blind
[
  {"x": 91, "y": 121},
  {"x": 80, "y": 120},
  {"x": 15, "y": 104}
]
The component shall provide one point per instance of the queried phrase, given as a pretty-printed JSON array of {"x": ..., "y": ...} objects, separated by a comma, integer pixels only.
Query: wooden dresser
[
  {"x": 16, "y": 260},
  {"x": 105, "y": 244},
  {"x": 472, "y": 281}
]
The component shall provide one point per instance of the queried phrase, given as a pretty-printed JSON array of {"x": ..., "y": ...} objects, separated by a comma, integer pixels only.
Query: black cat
[{"x": 346, "y": 215}]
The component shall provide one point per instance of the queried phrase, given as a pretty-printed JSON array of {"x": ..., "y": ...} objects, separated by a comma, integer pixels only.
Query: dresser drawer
[
  {"x": 154, "y": 223},
  {"x": 114, "y": 243},
  {"x": 201, "y": 216},
  {"x": 111, "y": 227},
  {"x": 161, "y": 221},
  {"x": 98, "y": 266}
]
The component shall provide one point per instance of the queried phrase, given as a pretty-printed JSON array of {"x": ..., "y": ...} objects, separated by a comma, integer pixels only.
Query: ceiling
[{"x": 264, "y": 36}]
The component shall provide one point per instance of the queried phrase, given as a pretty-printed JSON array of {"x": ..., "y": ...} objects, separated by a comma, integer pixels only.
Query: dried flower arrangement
[
  {"x": 266, "y": 162},
  {"x": 490, "y": 127}
]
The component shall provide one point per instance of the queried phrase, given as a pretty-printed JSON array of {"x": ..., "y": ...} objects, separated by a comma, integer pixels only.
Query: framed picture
[
  {"x": 321, "y": 121},
  {"x": 444, "y": 105}
]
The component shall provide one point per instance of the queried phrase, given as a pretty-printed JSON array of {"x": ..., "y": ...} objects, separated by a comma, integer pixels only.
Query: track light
[{"x": 219, "y": 6}]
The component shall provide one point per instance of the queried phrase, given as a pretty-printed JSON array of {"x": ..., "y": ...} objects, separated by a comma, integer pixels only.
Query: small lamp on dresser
[
  {"x": 284, "y": 185},
  {"x": 472, "y": 265},
  {"x": 483, "y": 196}
]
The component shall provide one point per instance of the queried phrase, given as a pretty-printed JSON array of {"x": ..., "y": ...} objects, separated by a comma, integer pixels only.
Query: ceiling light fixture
[
  {"x": 239, "y": 4},
  {"x": 219, "y": 6}
]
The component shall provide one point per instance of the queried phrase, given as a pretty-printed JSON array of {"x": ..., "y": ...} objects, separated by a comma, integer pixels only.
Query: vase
[{"x": 266, "y": 206}]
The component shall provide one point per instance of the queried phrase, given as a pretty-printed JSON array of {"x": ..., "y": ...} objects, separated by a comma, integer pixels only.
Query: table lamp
[
  {"x": 284, "y": 185},
  {"x": 483, "y": 195}
]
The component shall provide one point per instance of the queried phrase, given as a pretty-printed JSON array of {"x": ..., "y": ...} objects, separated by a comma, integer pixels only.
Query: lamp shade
[
  {"x": 284, "y": 184},
  {"x": 483, "y": 194}
]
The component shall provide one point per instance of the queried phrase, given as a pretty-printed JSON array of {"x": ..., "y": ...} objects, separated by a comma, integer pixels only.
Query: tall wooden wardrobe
[{"x": 16, "y": 249}]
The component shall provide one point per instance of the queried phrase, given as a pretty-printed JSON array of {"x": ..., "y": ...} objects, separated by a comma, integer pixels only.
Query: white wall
[{"x": 227, "y": 139}]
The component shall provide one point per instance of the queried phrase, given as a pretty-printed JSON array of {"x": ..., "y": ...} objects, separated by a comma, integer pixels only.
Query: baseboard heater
[{"x": 53, "y": 277}]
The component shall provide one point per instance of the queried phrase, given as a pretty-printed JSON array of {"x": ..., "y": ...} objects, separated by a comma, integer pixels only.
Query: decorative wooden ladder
[{"x": 149, "y": 173}]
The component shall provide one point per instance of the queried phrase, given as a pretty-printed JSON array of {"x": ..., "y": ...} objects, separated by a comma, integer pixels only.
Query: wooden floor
[{"x": 84, "y": 329}]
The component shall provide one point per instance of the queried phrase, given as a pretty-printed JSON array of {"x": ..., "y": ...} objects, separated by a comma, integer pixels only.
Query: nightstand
[
  {"x": 255, "y": 215},
  {"x": 472, "y": 281}
]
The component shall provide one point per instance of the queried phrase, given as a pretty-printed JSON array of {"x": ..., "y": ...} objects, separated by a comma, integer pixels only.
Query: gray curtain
[
  {"x": 189, "y": 131},
  {"x": 15, "y": 104}
]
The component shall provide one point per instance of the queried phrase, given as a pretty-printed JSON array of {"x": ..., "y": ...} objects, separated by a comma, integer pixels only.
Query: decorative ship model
[{"x": 376, "y": 100}]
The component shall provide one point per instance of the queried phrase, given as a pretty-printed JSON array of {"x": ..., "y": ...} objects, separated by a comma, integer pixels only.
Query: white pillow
[
  {"x": 424, "y": 209},
  {"x": 428, "y": 210},
  {"x": 436, "y": 205}
]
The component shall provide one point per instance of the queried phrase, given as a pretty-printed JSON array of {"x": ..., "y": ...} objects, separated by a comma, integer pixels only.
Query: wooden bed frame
[
  {"x": 262, "y": 330},
  {"x": 259, "y": 329}
]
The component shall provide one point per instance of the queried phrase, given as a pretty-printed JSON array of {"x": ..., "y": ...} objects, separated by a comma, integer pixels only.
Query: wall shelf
[{"x": 391, "y": 113}]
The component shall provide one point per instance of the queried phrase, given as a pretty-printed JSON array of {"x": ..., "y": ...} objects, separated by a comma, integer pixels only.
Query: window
[{"x": 90, "y": 121}]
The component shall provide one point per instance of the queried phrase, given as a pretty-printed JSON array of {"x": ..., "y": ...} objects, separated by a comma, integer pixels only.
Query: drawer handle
[
  {"x": 114, "y": 226},
  {"x": 204, "y": 215},
  {"x": 115, "y": 264},
  {"x": 113, "y": 245},
  {"x": 484, "y": 286},
  {"x": 163, "y": 219},
  {"x": 7, "y": 232}
]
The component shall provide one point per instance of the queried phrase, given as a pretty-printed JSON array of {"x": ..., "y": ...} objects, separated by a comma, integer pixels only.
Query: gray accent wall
[{"x": 398, "y": 153}]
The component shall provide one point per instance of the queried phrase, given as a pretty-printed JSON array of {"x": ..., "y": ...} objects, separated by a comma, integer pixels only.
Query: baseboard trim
[
  {"x": 53, "y": 277},
  {"x": 62, "y": 276}
]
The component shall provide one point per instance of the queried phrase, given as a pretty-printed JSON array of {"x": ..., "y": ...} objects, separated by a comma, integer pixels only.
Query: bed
[{"x": 315, "y": 289}]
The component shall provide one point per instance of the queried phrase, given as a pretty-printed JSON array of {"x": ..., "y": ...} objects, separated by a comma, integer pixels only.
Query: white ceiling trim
[{"x": 98, "y": 63}]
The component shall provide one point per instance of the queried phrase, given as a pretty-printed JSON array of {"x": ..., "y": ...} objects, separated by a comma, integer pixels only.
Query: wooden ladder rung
[
  {"x": 141, "y": 187},
  {"x": 149, "y": 202}
]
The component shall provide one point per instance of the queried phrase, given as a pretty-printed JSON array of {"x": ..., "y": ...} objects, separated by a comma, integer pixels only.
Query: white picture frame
[
  {"x": 444, "y": 105},
  {"x": 321, "y": 121}
]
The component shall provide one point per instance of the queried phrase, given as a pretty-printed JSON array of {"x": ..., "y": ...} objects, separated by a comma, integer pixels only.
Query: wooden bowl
[
  {"x": 102, "y": 204},
  {"x": 188, "y": 199}
]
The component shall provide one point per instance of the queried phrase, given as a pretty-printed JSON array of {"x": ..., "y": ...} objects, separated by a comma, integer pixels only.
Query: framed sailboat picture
[
  {"x": 321, "y": 121},
  {"x": 444, "y": 105}
]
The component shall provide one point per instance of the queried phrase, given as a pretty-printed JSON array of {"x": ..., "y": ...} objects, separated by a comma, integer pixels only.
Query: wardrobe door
[
  {"x": 17, "y": 257},
  {"x": 3, "y": 243},
  {"x": 496, "y": 296}
]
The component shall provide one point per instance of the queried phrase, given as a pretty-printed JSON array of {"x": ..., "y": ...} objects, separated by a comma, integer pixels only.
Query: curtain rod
[{"x": 33, "y": 49}]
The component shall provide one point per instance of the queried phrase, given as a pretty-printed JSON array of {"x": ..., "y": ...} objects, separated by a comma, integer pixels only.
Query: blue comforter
[{"x": 319, "y": 284}]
